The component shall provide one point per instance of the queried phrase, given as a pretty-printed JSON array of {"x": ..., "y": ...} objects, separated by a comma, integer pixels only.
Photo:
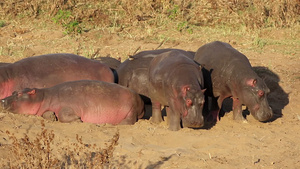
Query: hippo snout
[
  {"x": 193, "y": 123},
  {"x": 264, "y": 115}
]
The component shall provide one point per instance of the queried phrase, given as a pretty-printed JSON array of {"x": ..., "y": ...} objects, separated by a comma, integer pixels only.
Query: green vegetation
[
  {"x": 159, "y": 20},
  {"x": 125, "y": 13},
  {"x": 2, "y": 24},
  {"x": 66, "y": 19}
]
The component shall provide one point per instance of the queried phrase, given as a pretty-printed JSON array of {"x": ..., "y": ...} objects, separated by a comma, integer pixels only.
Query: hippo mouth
[
  {"x": 193, "y": 123},
  {"x": 262, "y": 114}
]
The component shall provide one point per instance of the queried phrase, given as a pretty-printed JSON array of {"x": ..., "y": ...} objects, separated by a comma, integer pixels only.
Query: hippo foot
[
  {"x": 156, "y": 120},
  {"x": 156, "y": 116},
  {"x": 239, "y": 118},
  {"x": 49, "y": 115},
  {"x": 174, "y": 127},
  {"x": 245, "y": 121}
]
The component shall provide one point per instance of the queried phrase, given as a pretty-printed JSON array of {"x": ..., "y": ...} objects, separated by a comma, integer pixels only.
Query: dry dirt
[{"x": 228, "y": 144}]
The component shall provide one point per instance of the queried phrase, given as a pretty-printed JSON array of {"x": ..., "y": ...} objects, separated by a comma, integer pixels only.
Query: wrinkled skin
[
  {"x": 176, "y": 82},
  {"x": 86, "y": 100},
  {"x": 49, "y": 70},
  {"x": 228, "y": 73}
]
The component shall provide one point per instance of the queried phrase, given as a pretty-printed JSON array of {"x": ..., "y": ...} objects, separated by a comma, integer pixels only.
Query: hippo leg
[
  {"x": 215, "y": 109},
  {"x": 212, "y": 109},
  {"x": 173, "y": 120},
  {"x": 156, "y": 112},
  {"x": 129, "y": 120},
  {"x": 173, "y": 117},
  {"x": 67, "y": 115},
  {"x": 237, "y": 110},
  {"x": 216, "y": 106},
  {"x": 49, "y": 115}
]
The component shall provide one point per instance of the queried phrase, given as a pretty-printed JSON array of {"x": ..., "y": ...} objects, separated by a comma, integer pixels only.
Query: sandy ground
[{"x": 228, "y": 144}]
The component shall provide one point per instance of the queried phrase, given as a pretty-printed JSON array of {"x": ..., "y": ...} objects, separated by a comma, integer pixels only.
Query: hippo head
[
  {"x": 193, "y": 103},
  {"x": 22, "y": 102},
  {"x": 255, "y": 98}
]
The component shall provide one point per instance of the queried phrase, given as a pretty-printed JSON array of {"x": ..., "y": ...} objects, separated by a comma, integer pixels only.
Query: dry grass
[
  {"x": 185, "y": 14},
  {"x": 38, "y": 153}
]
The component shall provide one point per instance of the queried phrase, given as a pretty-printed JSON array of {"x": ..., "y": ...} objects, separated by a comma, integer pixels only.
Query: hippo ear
[
  {"x": 184, "y": 89},
  {"x": 31, "y": 92},
  {"x": 203, "y": 90},
  {"x": 251, "y": 82}
]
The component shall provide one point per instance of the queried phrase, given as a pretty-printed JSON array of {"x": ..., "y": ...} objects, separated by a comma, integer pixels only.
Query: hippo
[
  {"x": 4, "y": 63},
  {"x": 176, "y": 81},
  {"x": 113, "y": 63},
  {"x": 153, "y": 53},
  {"x": 133, "y": 72},
  {"x": 228, "y": 73},
  {"x": 48, "y": 70},
  {"x": 85, "y": 100}
]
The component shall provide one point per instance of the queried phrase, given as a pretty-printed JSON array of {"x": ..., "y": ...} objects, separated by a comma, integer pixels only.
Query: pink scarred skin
[
  {"x": 90, "y": 101},
  {"x": 49, "y": 70}
]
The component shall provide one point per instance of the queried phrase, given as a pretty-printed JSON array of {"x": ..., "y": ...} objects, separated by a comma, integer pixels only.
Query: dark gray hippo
[
  {"x": 113, "y": 63},
  {"x": 4, "y": 63},
  {"x": 228, "y": 73},
  {"x": 49, "y": 70},
  {"x": 176, "y": 82},
  {"x": 86, "y": 100},
  {"x": 133, "y": 73}
]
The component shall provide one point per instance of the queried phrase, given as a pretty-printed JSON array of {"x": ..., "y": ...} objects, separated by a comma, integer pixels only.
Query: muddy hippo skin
[
  {"x": 133, "y": 72},
  {"x": 231, "y": 74},
  {"x": 176, "y": 81},
  {"x": 88, "y": 100},
  {"x": 49, "y": 70}
]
